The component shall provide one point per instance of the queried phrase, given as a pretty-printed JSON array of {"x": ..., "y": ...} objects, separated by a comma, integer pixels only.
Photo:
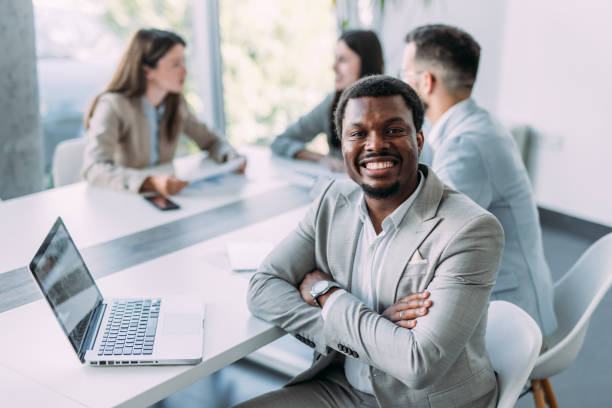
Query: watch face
[{"x": 320, "y": 286}]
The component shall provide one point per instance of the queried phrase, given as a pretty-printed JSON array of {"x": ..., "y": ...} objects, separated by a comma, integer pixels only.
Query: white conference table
[
  {"x": 21, "y": 391},
  {"x": 94, "y": 215},
  {"x": 33, "y": 346}
]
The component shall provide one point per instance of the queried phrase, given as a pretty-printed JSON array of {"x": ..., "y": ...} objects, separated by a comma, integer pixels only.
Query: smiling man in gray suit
[
  {"x": 475, "y": 155},
  {"x": 341, "y": 282}
]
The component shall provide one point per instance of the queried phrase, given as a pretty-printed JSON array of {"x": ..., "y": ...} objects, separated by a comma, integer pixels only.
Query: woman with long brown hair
[
  {"x": 136, "y": 122},
  {"x": 358, "y": 53}
]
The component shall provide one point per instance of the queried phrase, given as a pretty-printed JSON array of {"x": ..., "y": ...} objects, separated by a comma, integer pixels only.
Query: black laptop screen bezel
[{"x": 32, "y": 266}]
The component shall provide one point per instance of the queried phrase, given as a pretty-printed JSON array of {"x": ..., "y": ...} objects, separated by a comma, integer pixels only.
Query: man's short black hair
[
  {"x": 380, "y": 85},
  {"x": 452, "y": 49}
]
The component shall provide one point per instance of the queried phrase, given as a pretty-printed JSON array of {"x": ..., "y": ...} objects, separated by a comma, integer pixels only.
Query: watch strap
[{"x": 330, "y": 285}]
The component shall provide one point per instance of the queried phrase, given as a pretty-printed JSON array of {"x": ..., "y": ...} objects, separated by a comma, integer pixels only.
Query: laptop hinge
[{"x": 92, "y": 330}]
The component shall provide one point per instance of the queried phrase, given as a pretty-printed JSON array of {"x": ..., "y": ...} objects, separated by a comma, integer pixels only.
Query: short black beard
[{"x": 380, "y": 193}]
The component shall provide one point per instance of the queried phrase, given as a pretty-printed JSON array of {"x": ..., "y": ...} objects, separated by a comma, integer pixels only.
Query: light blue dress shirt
[
  {"x": 475, "y": 155},
  {"x": 154, "y": 116}
]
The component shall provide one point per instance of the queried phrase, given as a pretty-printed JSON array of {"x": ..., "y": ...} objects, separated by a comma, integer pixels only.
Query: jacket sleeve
[
  {"x": 99, "y": 167},
  {"x": 273, "y": 293},
  {"x": 206, "y": 139},
  {"x": 460, "y": 289},
  {"x": 295, "y": 137}
]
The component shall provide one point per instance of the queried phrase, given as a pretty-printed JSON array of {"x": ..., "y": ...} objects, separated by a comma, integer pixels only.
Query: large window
[
  {"x": 78, "y": 47},
  {"x": 76, "y": 53},
  {"x": 277, "y": 63},
  {"x": 276, "y": 55}
]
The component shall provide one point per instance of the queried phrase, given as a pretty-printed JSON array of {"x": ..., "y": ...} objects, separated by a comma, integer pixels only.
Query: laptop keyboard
[{"x": 131, "y": 328}]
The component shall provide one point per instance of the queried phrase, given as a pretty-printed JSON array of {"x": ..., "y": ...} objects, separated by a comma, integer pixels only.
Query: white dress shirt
[{"x": 367, "y": 274}]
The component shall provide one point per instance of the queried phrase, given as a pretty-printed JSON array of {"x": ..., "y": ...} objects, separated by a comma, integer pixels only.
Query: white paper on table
[
  {"x": 199, "y": 167},
  {"x": 319, "y": 172},
  {"x": 247, "y": 256},
  {"x": 310, "y": 169}
]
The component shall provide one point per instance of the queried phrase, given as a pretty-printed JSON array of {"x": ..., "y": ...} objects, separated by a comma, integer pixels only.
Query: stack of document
[
  {"x": 199, "y": 167},
  {"x": 306, "y": 168}
]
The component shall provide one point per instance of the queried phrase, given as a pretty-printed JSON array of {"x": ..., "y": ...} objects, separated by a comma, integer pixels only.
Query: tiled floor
[{"x": 587, "y": 383}]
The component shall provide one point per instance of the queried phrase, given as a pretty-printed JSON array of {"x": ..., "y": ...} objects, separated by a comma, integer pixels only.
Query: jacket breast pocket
[{"x": 414, "y": 279}]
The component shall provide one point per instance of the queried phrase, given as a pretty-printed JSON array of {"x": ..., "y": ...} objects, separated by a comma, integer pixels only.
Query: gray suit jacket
[
  {"x": 474, "y": 154},
  {"x": 442, "y": 362},
  {"x": 118, "y": 142}
]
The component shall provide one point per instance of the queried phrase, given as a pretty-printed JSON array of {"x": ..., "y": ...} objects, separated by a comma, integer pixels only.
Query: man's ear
[
  {"x": 429, "y": 82},
  {"x": 420, "y": 141}
]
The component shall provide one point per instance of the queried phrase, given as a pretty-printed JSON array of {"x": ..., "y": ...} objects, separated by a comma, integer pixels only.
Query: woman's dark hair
[
  {"x": 145, "y": 48},
  {"x": 365, "y": 44}
]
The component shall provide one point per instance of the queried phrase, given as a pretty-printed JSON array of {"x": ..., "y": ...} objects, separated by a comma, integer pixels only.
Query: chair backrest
[
  {"x": 67, "y": 161},
  {"x": 513, "y": 341},
  {"x": 577, "y": 295}
]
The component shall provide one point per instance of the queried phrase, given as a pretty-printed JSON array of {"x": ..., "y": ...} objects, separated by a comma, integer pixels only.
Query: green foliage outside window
[{"x": 277, "y": 63}]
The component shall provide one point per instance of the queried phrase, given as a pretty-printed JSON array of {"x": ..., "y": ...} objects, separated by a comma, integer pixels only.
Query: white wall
[
  {"x": 557, "y": 77},
  {"x": 546, "y": 64}
]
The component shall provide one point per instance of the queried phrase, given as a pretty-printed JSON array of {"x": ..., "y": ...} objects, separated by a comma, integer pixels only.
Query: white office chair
[
  {"x": 577, "y": 295},
  {"x": 513, "y": 341},
  {"x": 67, "y": 161}
]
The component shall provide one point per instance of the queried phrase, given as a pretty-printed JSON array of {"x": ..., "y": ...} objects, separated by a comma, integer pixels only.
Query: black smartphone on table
[{"x": 161, "y": 202}]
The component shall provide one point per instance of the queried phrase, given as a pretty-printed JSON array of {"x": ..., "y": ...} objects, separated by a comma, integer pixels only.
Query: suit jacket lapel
[
  {"x": 414, "y": 228},
  {"x": 343, "y": 237}
]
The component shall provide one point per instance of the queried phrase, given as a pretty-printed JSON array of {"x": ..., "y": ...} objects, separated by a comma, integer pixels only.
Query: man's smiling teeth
[{"x": 378, "y": 165}]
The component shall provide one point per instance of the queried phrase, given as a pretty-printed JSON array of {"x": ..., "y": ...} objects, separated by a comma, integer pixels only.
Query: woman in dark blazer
[{"x": 358, "y": 54}]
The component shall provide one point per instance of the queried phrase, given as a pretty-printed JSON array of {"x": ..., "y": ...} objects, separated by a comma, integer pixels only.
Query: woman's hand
[
  {"x": 165, "y": 184},
  {"x": 236, "y": 156}
]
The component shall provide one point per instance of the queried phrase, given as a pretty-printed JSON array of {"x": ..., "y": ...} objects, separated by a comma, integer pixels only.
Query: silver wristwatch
[{"x": 320, "y": 288}]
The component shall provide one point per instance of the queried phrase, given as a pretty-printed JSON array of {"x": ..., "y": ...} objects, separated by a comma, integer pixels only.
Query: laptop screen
[{"x": 66, "y": 283}]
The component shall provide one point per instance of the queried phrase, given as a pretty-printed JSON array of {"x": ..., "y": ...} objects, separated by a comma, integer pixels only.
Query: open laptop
[{"x": 114, "y": 331}]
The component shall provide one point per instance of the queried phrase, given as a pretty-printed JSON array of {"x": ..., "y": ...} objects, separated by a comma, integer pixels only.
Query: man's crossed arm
[{"x": 403, "y": 313}]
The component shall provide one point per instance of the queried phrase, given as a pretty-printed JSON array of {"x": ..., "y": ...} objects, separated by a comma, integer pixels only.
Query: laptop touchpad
[{"x": 181, "y": 324}]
